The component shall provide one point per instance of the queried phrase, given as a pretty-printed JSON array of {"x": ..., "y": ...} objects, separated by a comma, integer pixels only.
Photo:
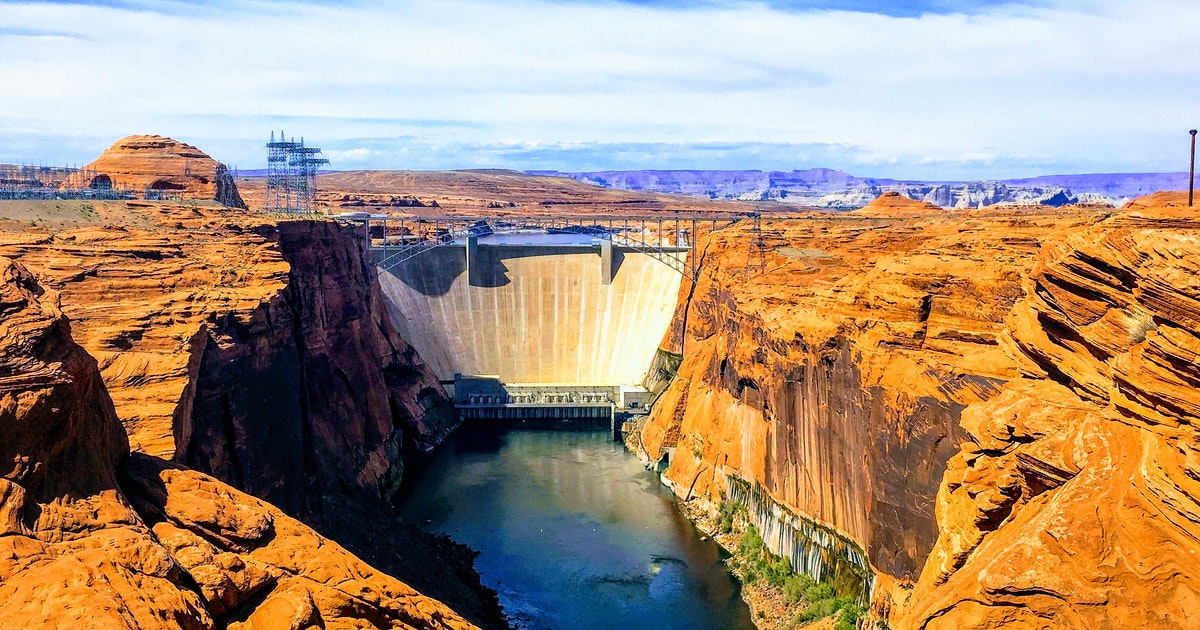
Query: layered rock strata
[
  {"x": 831, "y": 368},
  {"x": 1000, "y": 409},
  {"x": 1075, "y": 502},
  {"x": 262, "y": 352},
  {"x": 92, "y": 542},
  {"x": 139, "y": 282}
]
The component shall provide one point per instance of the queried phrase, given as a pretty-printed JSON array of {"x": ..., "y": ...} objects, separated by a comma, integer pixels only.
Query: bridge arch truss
[{"x": 397, "y": 240}]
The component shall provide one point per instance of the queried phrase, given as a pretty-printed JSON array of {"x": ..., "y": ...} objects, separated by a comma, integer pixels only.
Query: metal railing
[
  {"x": 407, "y": 252},
  {"x": 614, "y": 231}
]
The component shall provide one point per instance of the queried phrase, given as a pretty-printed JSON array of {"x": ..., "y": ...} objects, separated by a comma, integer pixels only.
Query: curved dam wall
[{"x": 534, "y": 313}]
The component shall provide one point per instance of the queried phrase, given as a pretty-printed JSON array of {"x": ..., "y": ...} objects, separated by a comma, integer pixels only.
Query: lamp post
[{"x": 1192, "y": 170}]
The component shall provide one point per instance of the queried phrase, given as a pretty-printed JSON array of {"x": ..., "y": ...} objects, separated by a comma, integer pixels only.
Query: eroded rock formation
[
  {"x": 264, "y": 348},
  {"x": 1076, "y": 501},
  {"x": 148, "y": 545},
  {"x": 137, "y": 295},
  {"x": 893, "y": 204},
  {"x": 1000, "y": 409},
  {"x": 150, "y": 165}
]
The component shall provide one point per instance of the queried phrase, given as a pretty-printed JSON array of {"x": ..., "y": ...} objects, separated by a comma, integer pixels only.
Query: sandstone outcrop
[
  {"x": 999, "y": 408},
  {"x": 138, "y": 284},
  {"x": 198, "y": 303},
  {"x": 59, "y": 436},
  {"x": 154, "y": 165},
  {"x": 1076, "y": 501},
  {"x": 833, "y": 375},
  {"x": 261, "y": 351},
  {"x": 834, "y": 378},
  {"x": 89, "y": 542}
]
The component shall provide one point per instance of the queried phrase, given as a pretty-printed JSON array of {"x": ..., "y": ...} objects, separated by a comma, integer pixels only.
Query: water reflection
[{"x": 574, "y": 533}]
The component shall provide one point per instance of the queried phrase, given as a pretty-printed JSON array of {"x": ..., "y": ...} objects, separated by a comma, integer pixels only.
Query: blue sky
[{"x": 929, "y": 89}]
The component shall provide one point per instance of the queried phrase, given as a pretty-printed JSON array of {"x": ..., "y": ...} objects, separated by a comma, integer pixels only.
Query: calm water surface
[{"x": 574, "y": 533}]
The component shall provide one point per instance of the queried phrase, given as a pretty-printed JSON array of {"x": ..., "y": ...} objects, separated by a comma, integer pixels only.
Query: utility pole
[{"x": 1192, "y": 170}]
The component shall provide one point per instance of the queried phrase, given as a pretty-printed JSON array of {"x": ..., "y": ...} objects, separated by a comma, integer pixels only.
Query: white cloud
[{"x": 1084, "y": 85}]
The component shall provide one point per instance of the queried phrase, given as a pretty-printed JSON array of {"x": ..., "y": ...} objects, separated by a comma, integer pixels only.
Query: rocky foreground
[
  {"x": 992, "y": 414},
  {"x": 255, "y": 351},
  {"x": 94, "y": 537}
]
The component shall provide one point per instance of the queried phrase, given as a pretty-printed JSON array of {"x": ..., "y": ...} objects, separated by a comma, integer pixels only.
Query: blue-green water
[{"x": 573, "y": 532}]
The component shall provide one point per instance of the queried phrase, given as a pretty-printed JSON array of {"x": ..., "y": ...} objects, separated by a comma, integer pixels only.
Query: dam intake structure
[{"x": 535, "y": 318}]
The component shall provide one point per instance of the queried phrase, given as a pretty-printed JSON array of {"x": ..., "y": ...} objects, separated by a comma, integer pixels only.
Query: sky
[{"x": 916, "y": 89}]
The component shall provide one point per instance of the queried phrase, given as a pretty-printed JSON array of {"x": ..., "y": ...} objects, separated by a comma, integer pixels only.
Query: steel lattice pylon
[{"x": 291, "y": 175}]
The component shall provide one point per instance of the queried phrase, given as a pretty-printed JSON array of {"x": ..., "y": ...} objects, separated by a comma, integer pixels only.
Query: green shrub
[
  {"x": 815, "y": 610},
  {"x": 750, "y": 574},
  {"x": 794, "y": 587},
  {"x": 776, "y": 569},
  {"x": 818, "y": 591},
  {"x": 726, "y": 515},
  {"x": 756, "y": 562},
  {"x": 851, "y": 613},
  {"x": 751, "y": 545}
]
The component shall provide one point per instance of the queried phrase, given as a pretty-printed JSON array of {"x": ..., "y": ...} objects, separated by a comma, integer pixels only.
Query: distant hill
[{"x": 830, "y": 188}]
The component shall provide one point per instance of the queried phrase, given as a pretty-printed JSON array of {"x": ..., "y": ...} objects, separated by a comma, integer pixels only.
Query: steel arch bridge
[{"x": 661, "y": 238}]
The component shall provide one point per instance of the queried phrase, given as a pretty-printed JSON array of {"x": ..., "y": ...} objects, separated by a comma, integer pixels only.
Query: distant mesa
[
  {"x": 829, "y": 188},
  {"x": 894, "y": 204},
  {"x": 155, "y": 166}
]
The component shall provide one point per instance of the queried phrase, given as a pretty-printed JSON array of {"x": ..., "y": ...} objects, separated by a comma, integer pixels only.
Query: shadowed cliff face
[
  {"x": 148, "y": 545},
  {"x": 801, "y": 421},
  {"x": 312, "y": 400},
  {"x": 314, "y": 393},
  {"x": 55, "y": 416}
]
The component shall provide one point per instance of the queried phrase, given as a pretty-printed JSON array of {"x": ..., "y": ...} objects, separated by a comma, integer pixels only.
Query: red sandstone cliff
[
  {"x": 313, "y": 390},
  {"x": 1076, "y": 501},
  {"x": 155, "y": 546},
  {"x": 999, "y": 408},
  {"x": 163, "y": 166},
  {"x": 835, "y": 377},
  {"x": 259, "y": 352}
]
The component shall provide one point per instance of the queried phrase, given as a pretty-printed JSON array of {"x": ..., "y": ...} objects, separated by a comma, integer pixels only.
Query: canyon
[{"x": 980, "y": 418}]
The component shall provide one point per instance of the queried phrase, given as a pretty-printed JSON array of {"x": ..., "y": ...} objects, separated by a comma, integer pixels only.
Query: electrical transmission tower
[
  {"x": 291, "y": 175},
  {"x": 756, "y": 259}
]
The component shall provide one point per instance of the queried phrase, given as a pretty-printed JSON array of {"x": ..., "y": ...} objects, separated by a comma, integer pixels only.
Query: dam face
[{"x": 534, "y": 310}]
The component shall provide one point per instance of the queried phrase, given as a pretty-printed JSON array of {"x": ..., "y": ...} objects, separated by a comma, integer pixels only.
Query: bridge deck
[{"x": 409, "y": 237}]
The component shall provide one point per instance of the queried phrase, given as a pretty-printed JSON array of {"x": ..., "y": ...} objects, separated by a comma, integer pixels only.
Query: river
[{"x": 573, "y": 532}]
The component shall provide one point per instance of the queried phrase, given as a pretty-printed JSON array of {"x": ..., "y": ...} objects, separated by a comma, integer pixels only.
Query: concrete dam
[{"x": 534, "y": 319}]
